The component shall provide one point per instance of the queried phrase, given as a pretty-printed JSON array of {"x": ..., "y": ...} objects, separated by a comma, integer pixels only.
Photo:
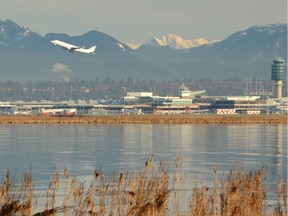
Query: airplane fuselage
[{"x": 73, "y": 48}]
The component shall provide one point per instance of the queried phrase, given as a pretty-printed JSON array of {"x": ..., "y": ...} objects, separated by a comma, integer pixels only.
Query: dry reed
[
  {"x": 148, "y": 119},
  {"x": 150, "y": 192}
]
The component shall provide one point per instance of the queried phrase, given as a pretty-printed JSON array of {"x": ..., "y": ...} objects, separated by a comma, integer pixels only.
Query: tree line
[{"x": 115, "y": 89}]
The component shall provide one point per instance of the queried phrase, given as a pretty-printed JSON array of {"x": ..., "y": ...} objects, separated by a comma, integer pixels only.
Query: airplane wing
[{"x": 65, "y": 45}]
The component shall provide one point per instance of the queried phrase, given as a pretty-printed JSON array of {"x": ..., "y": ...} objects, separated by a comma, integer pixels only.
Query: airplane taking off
[{"x": 73, "y": 48}]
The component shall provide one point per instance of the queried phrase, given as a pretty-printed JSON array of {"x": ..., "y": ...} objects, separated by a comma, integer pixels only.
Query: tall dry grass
[
  {"x": 149, "y": 192},
  {"x": 148, "y": 119}
]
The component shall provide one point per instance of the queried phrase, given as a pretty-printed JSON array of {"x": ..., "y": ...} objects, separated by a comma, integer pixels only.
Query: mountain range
[
  {"x": 174, "y": 41},
  {"x": 26, "y": 55}
]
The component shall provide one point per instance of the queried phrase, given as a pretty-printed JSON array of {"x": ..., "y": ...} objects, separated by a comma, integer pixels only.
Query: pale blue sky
[{"x": 137, "y": 21}]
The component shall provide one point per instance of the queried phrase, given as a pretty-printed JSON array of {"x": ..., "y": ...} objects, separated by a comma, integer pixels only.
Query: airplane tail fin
[{"x": 92, "y": 49}]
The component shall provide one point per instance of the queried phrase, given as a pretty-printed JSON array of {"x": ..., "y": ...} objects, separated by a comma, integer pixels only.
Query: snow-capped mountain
[
  {"x": 172, "y": 41},
  {"x": 176, "y": 42},
  {"x": 10, "y": 32},
  {"x": 257, "y": 34},
  {"x": 133, "y": 45}
]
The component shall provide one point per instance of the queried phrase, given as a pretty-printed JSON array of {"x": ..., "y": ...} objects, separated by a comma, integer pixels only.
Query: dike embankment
[{"x": 148, "y": 119}]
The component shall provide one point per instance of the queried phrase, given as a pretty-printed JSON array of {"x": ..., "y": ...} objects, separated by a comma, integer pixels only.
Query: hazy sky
[{"x": 137, "y": 21}]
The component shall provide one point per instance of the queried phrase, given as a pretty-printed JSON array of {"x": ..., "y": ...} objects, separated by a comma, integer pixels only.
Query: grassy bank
[
  {"x": 148, "y": 119},
  {"x": 149, "y": 192}
]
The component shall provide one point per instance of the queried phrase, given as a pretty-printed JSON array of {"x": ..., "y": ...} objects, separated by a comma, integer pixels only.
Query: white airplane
[{"x": 73, "y": 48}]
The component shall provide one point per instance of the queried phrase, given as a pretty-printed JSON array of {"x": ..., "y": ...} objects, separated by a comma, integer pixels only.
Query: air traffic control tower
[{"x": 278, "y": 74}]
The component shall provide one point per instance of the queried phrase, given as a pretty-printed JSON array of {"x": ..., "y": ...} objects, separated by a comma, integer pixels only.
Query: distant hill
[{"x": 26, "y": 55}]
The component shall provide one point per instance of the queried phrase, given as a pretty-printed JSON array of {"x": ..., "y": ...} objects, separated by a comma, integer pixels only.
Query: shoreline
[{"x": 148, "y": 119}]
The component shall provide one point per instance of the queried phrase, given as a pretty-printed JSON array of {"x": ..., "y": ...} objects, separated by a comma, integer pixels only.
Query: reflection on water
[{"x": 82, "y": 148}]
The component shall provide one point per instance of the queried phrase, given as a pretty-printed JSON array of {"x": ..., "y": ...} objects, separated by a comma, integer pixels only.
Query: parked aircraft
[{"x": 73, "y": 48}]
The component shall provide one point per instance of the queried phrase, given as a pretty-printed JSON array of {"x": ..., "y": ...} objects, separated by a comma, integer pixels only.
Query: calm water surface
[{"x": 83, "y": 148}]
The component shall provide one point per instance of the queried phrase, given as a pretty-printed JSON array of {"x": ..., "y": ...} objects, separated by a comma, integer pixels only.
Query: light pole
[
  {"x": 123, "y": 95},
  {"x": 123, "y": 100},
  {"x": 71, "y": 90},
  {"x": 53, "y": 94}
]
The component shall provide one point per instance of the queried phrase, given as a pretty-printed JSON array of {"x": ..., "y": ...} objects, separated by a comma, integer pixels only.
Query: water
[{"x": 83, "y": 148}]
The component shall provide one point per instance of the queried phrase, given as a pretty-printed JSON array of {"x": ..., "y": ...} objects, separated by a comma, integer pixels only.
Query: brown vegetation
[
  {"x": 148, "y": 119},
  {"x": 149, "y": 192}
]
